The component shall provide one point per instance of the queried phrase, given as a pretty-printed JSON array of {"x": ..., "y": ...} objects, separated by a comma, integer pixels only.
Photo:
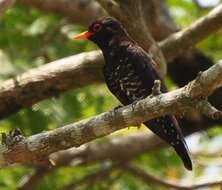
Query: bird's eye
[{"x": 97, "y": 27}]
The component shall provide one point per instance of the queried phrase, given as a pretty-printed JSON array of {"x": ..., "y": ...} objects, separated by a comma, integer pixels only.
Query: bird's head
[{"x": 103, "y": 32}]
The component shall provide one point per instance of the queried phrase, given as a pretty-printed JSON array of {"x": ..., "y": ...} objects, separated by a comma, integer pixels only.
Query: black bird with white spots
[{"x": 130, "y": 73}]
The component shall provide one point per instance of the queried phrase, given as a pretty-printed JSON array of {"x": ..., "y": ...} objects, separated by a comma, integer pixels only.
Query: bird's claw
[
  {"x": 134, "y": 104},
  {"x": 116, "y": 108},
  {"x": 13, "y": 137}
]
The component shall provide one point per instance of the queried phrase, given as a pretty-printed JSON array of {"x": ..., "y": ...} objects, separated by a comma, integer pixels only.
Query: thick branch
[
  {"x": 36, "y": 148},
  {"x": 114, "y": 149},
  {"x": 49, "y": 80},
  {"x": 181, "y": 41}
]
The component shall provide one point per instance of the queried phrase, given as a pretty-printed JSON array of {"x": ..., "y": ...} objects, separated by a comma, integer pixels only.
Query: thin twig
[
  {"x": 207, "y": 109},
  {"x": 185, "y": 39},
  {"x": 32, "y": 180},
  {"x": 150, "y": 179},
  {"x": 92, "y": 177}
]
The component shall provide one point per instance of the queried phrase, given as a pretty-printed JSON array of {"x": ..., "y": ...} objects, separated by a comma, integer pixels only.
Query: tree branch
[
  {"x": 36, "y": 148},
  {"x": 49, "y": 80},
  {"x": 32, "y": 180},
  {"x": 92, "y": 177},
  {"x": 210, "y": 111},
  {"x": 114, "y": 149},
  {"x": 185, "y": 39},
  {"x": 150, "y": 179}
]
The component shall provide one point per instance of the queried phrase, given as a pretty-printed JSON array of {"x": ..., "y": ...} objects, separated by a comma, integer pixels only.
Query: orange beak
[{"x": 83, "y": 35}]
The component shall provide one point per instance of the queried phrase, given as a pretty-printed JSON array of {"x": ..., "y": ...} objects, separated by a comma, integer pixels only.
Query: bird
[{"x": 129, "y": 73}]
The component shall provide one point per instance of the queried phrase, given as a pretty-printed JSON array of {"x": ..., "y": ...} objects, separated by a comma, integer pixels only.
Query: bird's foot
[
  {"x": 134, "y": 104},
  {"x": 117, "y": 107},
  {"x": 14, "y": 136}
]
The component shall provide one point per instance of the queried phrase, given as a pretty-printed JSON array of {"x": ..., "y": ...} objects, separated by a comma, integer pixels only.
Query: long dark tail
[{"x": 167, "y": 128}]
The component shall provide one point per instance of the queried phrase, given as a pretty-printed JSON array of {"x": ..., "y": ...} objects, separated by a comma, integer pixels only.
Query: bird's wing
[
  {"x": 145, "y": 68},
  {"x": 166, "y": 127}
]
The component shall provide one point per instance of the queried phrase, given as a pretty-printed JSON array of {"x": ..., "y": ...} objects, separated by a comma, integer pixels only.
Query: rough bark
[{"x": 50, "y": 80}]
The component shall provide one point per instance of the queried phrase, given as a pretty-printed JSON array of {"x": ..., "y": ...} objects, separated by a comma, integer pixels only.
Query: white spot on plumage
[
  {"x": 128, "y": 93},
  {"x": 118, "y": 67},
  {"x": 131, "y": 89},
  {"x": 128, "y": 65},
  {"x": 125, "y": 78},
  {"x": 131, "y": 84},
  {"x": 134, "y": 97},
  {"x": 111, "y": 53},
  {"x": 111, "y": 42},
  {"x": 130, "y": 74}
]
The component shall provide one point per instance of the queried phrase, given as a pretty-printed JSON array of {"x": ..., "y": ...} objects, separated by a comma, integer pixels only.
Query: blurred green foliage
[{"x": 30, "y": 38}]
